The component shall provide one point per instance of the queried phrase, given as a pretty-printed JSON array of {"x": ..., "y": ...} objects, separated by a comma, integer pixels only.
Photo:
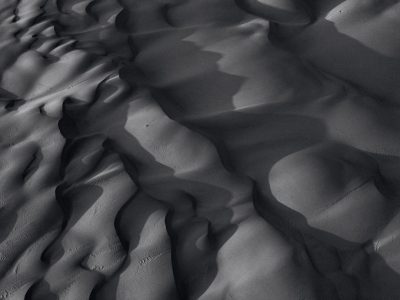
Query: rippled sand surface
[{"x": 199, "y": 149}]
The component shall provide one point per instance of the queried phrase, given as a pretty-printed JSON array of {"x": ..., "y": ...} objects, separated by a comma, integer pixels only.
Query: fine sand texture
[{"x": 200, "y": 149}]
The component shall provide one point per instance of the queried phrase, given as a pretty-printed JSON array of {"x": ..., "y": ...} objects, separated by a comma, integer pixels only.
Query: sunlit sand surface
[{"x": 199, "y": 149}]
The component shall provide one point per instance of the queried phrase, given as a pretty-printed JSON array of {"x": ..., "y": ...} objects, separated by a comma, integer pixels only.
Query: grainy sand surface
[{"x": 199, "y": 149}]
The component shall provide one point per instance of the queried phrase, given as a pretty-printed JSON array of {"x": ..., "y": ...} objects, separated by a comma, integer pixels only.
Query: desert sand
[{"x": 199, "y": 149}]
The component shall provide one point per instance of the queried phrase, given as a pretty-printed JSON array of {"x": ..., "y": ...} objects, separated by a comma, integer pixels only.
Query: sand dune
[{"x": 216, "y": 149}]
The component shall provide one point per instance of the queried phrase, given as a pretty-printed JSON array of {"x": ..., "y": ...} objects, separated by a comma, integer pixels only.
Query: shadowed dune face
[
  {"x": 279, "y": 11},
  {"x": 366, "y": 31},
  {"x": 195, "y": 149}
]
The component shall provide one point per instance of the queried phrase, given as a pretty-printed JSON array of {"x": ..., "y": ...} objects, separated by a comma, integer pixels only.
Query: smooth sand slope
[{"x": 199, "y": 149}]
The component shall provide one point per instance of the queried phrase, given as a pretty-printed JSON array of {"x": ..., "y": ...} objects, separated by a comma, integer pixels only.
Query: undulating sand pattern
[{"x": 200, "y": 149}]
